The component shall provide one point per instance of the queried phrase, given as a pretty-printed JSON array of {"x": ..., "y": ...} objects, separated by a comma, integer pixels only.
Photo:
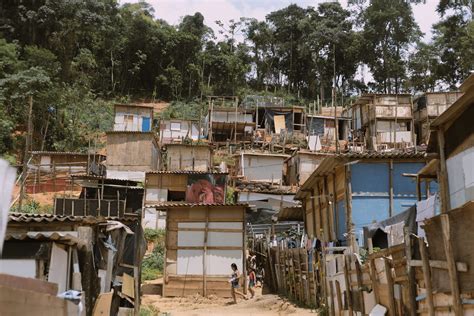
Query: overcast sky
[{"x": 173, "y": 10}]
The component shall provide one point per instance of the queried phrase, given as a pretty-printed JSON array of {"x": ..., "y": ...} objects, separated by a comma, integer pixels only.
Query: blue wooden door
[{"x": 146, "y": 124}]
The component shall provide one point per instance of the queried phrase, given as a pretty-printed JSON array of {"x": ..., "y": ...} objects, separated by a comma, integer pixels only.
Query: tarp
[
  {"x": 377, "y": 231},
  {"x": 270, "y": 119}
]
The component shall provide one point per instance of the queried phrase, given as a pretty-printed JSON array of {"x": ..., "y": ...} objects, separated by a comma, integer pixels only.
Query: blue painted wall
[{"x": 370, "y": 192}]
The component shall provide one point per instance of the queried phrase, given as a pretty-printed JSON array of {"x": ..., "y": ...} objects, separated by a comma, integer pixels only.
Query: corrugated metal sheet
[
  {"x": 64, "y": 238},
  {"x": 184, "y": 172},
  {"x": 166, "y": 205},
  {"x": 49, "y": 218},
  {"x": 68, "y": 153}
]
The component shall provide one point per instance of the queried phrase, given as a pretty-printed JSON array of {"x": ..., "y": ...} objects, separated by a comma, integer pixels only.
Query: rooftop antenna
[{"x": 333, "y": 99}]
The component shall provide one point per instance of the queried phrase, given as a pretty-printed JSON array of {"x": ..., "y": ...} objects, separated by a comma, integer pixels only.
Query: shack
[
  {"x": 427, "y": 108},
  {"x": 49, "y": 171},
  {"x": 290, "y": 119},
  {"x": 189, "y": 157},
  {"x": 322, "y": 132},
  {"x": 260, "y": 166},
  {"x": 131, "y": 154},
  {"x": 86, "y": 254},
  {"x": 349, "y": 191},
  {"x": 176, "y": 131},
  {"x": 133, "y": 117},
  {"x": 201, "y": 242},
  {"x": 301, "y": 165},
  {"x": 452, "y": 138},
  {"x": 184, "y": 186},
  {"x": 230, "y": 124},
  {"x": 100, "y": 196},
  {"x": 383, "y": 121}
]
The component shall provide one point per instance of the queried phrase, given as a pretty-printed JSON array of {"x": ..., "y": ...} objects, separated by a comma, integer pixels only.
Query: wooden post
[
  {"x": 204, "y": 257},
  {"x": 339, "y": 298},
  {"x": 410, "y": 274},
  {"x": 373, "y": 279},
  {"x": 244, "y": 237},
  {"x": 391, "y": 294},
  {"x": 443, "y": 176},
  {"x": 427, "y": 276},
  {"x": 331, "y": 292},
  {"x": 349, "y": 205},
  {"x": 452, "y": 270},
  {"x": 390, "y": 186},
  {"x": 347, "y": 280},
  {"x": 359, "y": 284}
]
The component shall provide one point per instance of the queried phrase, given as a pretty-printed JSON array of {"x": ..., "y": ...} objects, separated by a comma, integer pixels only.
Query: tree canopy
[{"x": 76, "y": 57}]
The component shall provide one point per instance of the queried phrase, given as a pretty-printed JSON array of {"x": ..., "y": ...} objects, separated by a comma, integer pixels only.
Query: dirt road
[{"x": 268, "y": 304}]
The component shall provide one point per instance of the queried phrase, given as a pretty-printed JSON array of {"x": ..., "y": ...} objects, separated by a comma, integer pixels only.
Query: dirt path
[{"x": 268, "y": 304}]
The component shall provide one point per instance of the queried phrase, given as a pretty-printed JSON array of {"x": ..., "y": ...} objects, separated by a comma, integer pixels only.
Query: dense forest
[{"x": 74, "y": 58}]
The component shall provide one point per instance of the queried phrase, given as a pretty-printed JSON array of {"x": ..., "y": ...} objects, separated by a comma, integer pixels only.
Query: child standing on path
[
  {"x": 234, "y": 283},
  {"x": 252, "y": 281}
]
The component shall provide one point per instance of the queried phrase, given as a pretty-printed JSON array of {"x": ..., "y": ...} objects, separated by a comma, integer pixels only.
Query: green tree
[{"x": 388, "y": 29}]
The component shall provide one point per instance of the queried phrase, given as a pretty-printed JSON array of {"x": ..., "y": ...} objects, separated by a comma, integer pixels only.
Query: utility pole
[
  {"x": 27, "y": 151},
  {"x": 333, "y": 100}
]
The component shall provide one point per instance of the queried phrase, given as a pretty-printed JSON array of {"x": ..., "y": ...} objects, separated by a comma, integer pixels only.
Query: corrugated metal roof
[
  {"x": 93, "y": 177},
  {"x": 188, "y": 145},
  {"x": 68, "y": 153},
  {"x": 185, "y": 172},
  {"x": 165, "y": 205},
  {"x": 381, "y": 155},
  {"x": 60, "y": 237},
  {"x": 50, "y": 218},
  {"x": 270, "y": 191}
]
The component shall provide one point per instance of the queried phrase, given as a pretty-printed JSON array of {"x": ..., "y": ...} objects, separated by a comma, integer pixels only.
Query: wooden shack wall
[
  {"x": 131, "y": 152},
  {"x": 204, "y": 221},
  {"x": 154, "y": 182},
  {"x": 324, "y": 207},
  {"x": 190, "y": 158}
]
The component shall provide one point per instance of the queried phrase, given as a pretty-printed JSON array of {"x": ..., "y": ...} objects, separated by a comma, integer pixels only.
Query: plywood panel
[
  {"x": 191, "y": 239},
  {"x": 58, "y": 267},
  {"x": 190, "y": 262},
  {"x": 219, "y": 261},
  {"x": 192, "y": 225},
  {"x": 225, "y": 225},
  {"x": 218, "y": 239}
]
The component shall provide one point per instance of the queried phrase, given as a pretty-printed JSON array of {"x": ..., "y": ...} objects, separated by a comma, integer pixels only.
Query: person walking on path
[
  {"x": 234, "y": 283},
  {"x": 252, "y": 282}
]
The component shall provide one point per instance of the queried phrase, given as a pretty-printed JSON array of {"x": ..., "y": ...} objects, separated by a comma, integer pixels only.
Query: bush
[{"x": 152, "y": 265}]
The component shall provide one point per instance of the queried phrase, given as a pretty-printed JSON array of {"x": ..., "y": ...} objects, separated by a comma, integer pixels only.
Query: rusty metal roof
[
  {"x": 99, "y": 178},
  {"x": 66, "y": 153},
  {"x": 166, "y": 205},
  {"x": 185, "y": 172},
  {"x": 50, "y": 218}
]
